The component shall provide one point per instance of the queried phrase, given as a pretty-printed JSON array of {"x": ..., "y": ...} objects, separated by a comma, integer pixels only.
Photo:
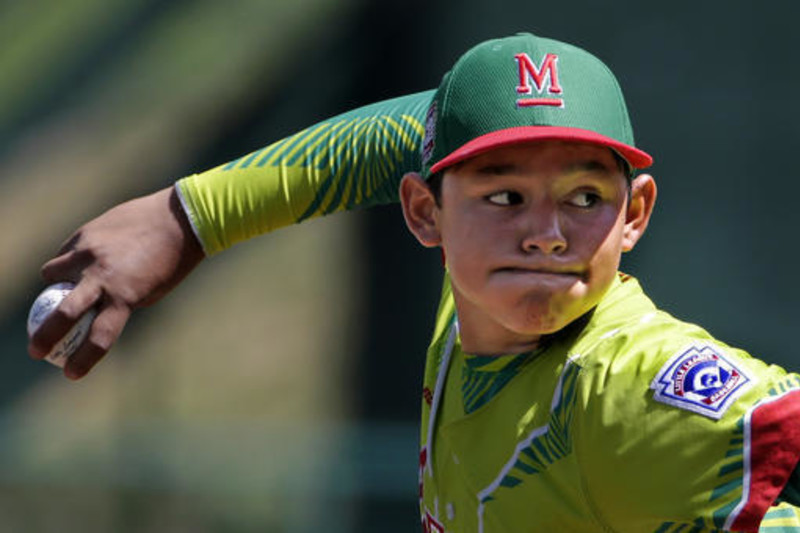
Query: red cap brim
[{"x": 637, "y": 158}]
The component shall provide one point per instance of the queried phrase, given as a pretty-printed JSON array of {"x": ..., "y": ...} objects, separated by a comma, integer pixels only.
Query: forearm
[{"x": 352, "y": 160}]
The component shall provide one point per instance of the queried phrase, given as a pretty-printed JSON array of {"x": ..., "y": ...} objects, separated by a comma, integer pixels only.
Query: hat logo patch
[
  {"x": 700, "y": 379},
  {"x": 544, "y": 78}
]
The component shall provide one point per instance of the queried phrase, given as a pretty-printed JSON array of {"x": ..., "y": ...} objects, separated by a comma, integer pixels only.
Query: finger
[
  {"x": 65, "y": 267},
  {"x": 105, "y": 331},
  {"x": 83, "y": 297},
  {"x": 70, "y": 243}
]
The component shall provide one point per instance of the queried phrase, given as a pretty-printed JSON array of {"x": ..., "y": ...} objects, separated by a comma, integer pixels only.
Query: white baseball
[{"x": 44, "y": 304}]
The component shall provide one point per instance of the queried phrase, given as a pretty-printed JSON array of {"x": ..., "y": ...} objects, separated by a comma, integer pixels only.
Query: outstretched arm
[
  {"x": 138, "y": 251},
  {"x": 356, "y": 159}
]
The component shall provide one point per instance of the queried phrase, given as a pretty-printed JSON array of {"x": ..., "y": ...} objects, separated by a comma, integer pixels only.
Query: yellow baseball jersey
[{"x": 628, "y": 420}]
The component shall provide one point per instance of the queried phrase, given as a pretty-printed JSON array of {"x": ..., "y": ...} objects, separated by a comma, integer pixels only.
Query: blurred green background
[{"x": 278, "y": 388}]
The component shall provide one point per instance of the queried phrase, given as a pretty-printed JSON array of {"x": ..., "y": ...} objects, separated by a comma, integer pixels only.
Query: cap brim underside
[{"x": 637, "y": 158}]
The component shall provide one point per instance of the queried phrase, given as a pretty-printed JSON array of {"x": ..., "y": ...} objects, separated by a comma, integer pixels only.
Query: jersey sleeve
[
  {"x": 352, "y": 160},
  {"x": 686, "y": 433}
]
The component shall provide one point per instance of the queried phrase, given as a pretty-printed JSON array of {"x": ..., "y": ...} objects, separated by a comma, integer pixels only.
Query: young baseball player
[{"x": 557, "y": 397}]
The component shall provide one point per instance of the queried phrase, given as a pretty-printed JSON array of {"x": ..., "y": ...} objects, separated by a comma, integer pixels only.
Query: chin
[
  {"x": 534, "y": 322},
  {"x": 540, "y": 317}
]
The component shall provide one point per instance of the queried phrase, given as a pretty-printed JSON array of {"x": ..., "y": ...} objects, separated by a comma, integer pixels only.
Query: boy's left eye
[{"x": 584, "y": 199}]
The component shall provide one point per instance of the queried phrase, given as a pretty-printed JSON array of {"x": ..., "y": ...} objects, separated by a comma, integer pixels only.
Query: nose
[{"x": 542, "y": 231}]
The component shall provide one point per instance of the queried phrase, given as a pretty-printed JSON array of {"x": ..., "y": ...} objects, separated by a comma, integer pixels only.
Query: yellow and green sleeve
[{"x": 352, "y": 160}]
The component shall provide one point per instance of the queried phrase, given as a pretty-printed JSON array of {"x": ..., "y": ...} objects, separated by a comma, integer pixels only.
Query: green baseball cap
[{"x": 525, "y": 88}]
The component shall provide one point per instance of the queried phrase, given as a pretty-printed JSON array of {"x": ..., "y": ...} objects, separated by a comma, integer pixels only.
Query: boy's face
[{"x": 532, "y": 235}]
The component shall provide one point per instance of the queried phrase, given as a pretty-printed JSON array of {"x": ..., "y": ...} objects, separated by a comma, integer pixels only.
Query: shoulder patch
[{"x": 701, "y": 379}]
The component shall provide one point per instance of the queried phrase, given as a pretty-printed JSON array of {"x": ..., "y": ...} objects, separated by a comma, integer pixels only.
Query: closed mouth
[
  {"x": 539, "y": 270},
  {"x": 571, "y": 273}
]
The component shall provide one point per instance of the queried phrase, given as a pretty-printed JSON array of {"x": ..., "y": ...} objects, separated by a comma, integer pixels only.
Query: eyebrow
[
  {"x": 592, "y": 165},
  {"x": 497, "y": 168}
]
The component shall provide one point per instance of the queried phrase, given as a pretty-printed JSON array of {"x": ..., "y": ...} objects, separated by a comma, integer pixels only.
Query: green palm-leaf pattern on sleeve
[
  {"x": 363, "y": 153},
  {"x": 356, "y": 159}
]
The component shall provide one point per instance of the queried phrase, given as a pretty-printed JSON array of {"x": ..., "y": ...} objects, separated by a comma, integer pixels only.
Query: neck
[
  {"x": 475, "y": 347},
  {"x": 482, "y": 336}
]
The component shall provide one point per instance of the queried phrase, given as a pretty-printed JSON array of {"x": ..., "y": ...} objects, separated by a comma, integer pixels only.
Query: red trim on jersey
[
  {"x": 430, "y": 524},
  {"x": 427, "y": 395},
  {"x": 774, "y": 452}
]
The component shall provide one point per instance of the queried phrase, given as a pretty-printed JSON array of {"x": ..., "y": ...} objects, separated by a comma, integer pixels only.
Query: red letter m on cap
[{"x": 529, "y": 72}]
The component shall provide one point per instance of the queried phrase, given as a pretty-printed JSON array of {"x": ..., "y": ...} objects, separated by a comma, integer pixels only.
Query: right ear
[{"x": 420, "y": 210}]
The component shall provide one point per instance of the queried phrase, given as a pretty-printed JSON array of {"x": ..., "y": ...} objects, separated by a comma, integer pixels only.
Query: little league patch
[{"x": 701, "y": 379}]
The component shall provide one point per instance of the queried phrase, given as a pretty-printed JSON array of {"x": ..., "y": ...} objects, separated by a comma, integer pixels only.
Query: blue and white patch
[{"x": 701, "y": 379}]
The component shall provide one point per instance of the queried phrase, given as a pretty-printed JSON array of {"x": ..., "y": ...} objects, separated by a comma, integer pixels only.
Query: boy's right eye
[{"x": 504, "y": 198}]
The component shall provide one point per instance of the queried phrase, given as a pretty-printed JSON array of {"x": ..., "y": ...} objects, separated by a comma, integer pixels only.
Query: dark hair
[
  {"x": 435, "y": 185},
  {"x": 435, "y": 180},
  {"x": 623, "y": 165}
]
